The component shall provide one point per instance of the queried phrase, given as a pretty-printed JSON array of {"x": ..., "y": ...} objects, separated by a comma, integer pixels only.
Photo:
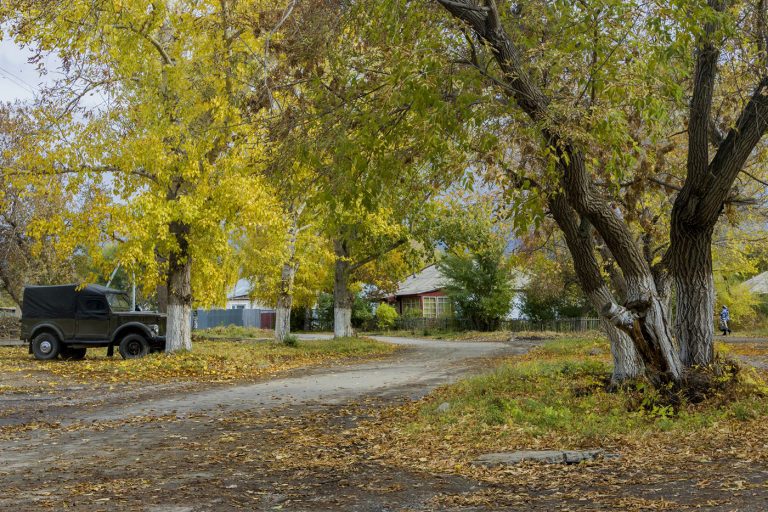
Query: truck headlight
[{"x": 155, "y": 329}]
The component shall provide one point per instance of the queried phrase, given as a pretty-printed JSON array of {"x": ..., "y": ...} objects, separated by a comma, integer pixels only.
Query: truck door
[{"x": 92, "y": 317}]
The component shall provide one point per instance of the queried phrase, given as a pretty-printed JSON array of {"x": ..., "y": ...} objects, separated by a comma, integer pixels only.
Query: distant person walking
[{"x": 725, "y": 321}]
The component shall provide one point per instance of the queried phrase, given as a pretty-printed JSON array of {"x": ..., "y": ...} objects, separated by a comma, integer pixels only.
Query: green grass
[
  {"x": 559, "y": 392},
  {"x": 751, "y": 332},
  {"x": 230, "y": 332}
]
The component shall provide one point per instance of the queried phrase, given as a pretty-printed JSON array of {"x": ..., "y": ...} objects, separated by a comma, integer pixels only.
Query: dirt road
[{"x": 221, "y": 448}]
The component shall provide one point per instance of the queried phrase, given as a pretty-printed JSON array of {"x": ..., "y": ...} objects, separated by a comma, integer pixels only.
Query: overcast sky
[{"x": 19, "y": 80}]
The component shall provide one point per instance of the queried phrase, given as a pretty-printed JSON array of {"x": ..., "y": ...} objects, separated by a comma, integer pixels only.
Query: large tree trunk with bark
[
  {"x": 707, "y": 188},
  {"x": 627, "y": 363},
  {"x": 179, "y": 325},
  {"x": 342, "y": 297},
  {"x": 692, "y": 271}
]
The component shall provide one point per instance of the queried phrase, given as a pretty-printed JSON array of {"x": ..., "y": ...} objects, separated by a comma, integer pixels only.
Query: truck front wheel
[
  {"x": 46, "y": 346},
  {"x": 133, "y": 346}
]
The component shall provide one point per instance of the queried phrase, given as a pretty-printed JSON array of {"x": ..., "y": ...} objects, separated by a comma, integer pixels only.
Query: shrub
[
  {"x": 479, "y": 285},
  {"x": 386, "y": 316},
  {"x": 362, "y": 312},
  {"x": 291, "y": 341}
]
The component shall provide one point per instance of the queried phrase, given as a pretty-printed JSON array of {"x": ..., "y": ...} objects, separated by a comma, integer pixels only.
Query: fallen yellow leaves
[{"x": 208, "y": 362}]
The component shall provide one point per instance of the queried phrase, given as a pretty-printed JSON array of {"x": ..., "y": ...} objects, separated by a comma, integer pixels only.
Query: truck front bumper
[{"x": 157, "y": 343}]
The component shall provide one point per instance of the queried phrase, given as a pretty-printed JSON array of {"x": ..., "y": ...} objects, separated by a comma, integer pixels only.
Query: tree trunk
[
  {"x": 664, "y": 289},
  {"x": 162, "y": 298},
  {"x": 646, "y": 321},
  {"x": 692, "y": 273},
  {"x": 283, "y": 317},
  {"x": 284, "y": 302},
  {"x": 287, "y": 277},
  {"x": 627, "y": 362},
  {"x": 179, "y": 326},
  {"x": 178, "y": 332},
  {"x": 342, "y": 297},
  {"x": 698, "y": 205}
]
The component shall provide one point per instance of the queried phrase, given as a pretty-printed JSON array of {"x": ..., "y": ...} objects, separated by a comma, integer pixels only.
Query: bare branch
[{"x": 167, "y": 60}]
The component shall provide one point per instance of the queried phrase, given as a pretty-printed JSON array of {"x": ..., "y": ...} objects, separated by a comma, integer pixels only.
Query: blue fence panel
[
  {"x": 251, "y": 317},
  {"x": 207, "y": 318}
]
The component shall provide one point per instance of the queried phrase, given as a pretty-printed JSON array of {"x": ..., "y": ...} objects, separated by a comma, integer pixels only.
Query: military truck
[{"x": 67, "y": 320}]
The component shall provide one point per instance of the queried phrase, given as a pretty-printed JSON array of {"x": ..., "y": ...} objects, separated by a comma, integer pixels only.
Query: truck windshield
[{"x": 118, "y": 302}]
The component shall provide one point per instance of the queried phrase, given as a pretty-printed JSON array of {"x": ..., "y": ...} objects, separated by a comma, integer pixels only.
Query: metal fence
[
  {"x": 453, "y": 324},
  {"x": 205, "y": 318}
]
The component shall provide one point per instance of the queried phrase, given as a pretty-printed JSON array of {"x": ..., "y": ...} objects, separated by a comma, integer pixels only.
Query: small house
[
  {"x": 239, "y": 297},
  {"x": 421, "y": 295}
]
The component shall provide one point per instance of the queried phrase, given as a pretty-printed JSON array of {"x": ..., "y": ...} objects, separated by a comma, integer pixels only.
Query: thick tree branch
[
  {"x": 701, "y": 101},
  {"x": 377, "y": 255},
  {"x": 486, "y": 24},
  {"x": 530, "y": 98},
  {"x": 461, "y": 5}
]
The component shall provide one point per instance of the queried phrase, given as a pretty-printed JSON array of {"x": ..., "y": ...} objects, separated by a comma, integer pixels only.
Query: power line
[{"x": 17, "y": 80}]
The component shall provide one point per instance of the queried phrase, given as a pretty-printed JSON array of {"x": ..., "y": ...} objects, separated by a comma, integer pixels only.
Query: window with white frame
[
  {"x": 430, "y": 307},
  {"x": 411, "y": 305},
  {"x": 437, "y": 307},
  {"x": 444, "y": 307}
]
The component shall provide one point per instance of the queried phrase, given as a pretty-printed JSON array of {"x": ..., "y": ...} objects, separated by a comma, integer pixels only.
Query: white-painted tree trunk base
[
  {"x": 282, "y": 323},
  {"x": 178, "y": 334},
  {"x": 627, "y": 363},
  {"x": 655, "y": 325},
  {"x": 342, "y": 322}
]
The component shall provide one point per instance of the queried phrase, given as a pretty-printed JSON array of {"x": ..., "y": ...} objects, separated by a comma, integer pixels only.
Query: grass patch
[
  {"x": 756, "y": 349},
  {"x": 233, "y": 332},
  {"x": 209, "y": 361},
  {"x": 558, "y": 396}
]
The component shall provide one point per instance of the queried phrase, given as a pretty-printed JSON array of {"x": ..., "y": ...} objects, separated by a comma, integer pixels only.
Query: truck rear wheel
[
  {"x": 72, "y": 354},
  {"x": 133, "y": 346},
  {"x": 46, "y": 346}
]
